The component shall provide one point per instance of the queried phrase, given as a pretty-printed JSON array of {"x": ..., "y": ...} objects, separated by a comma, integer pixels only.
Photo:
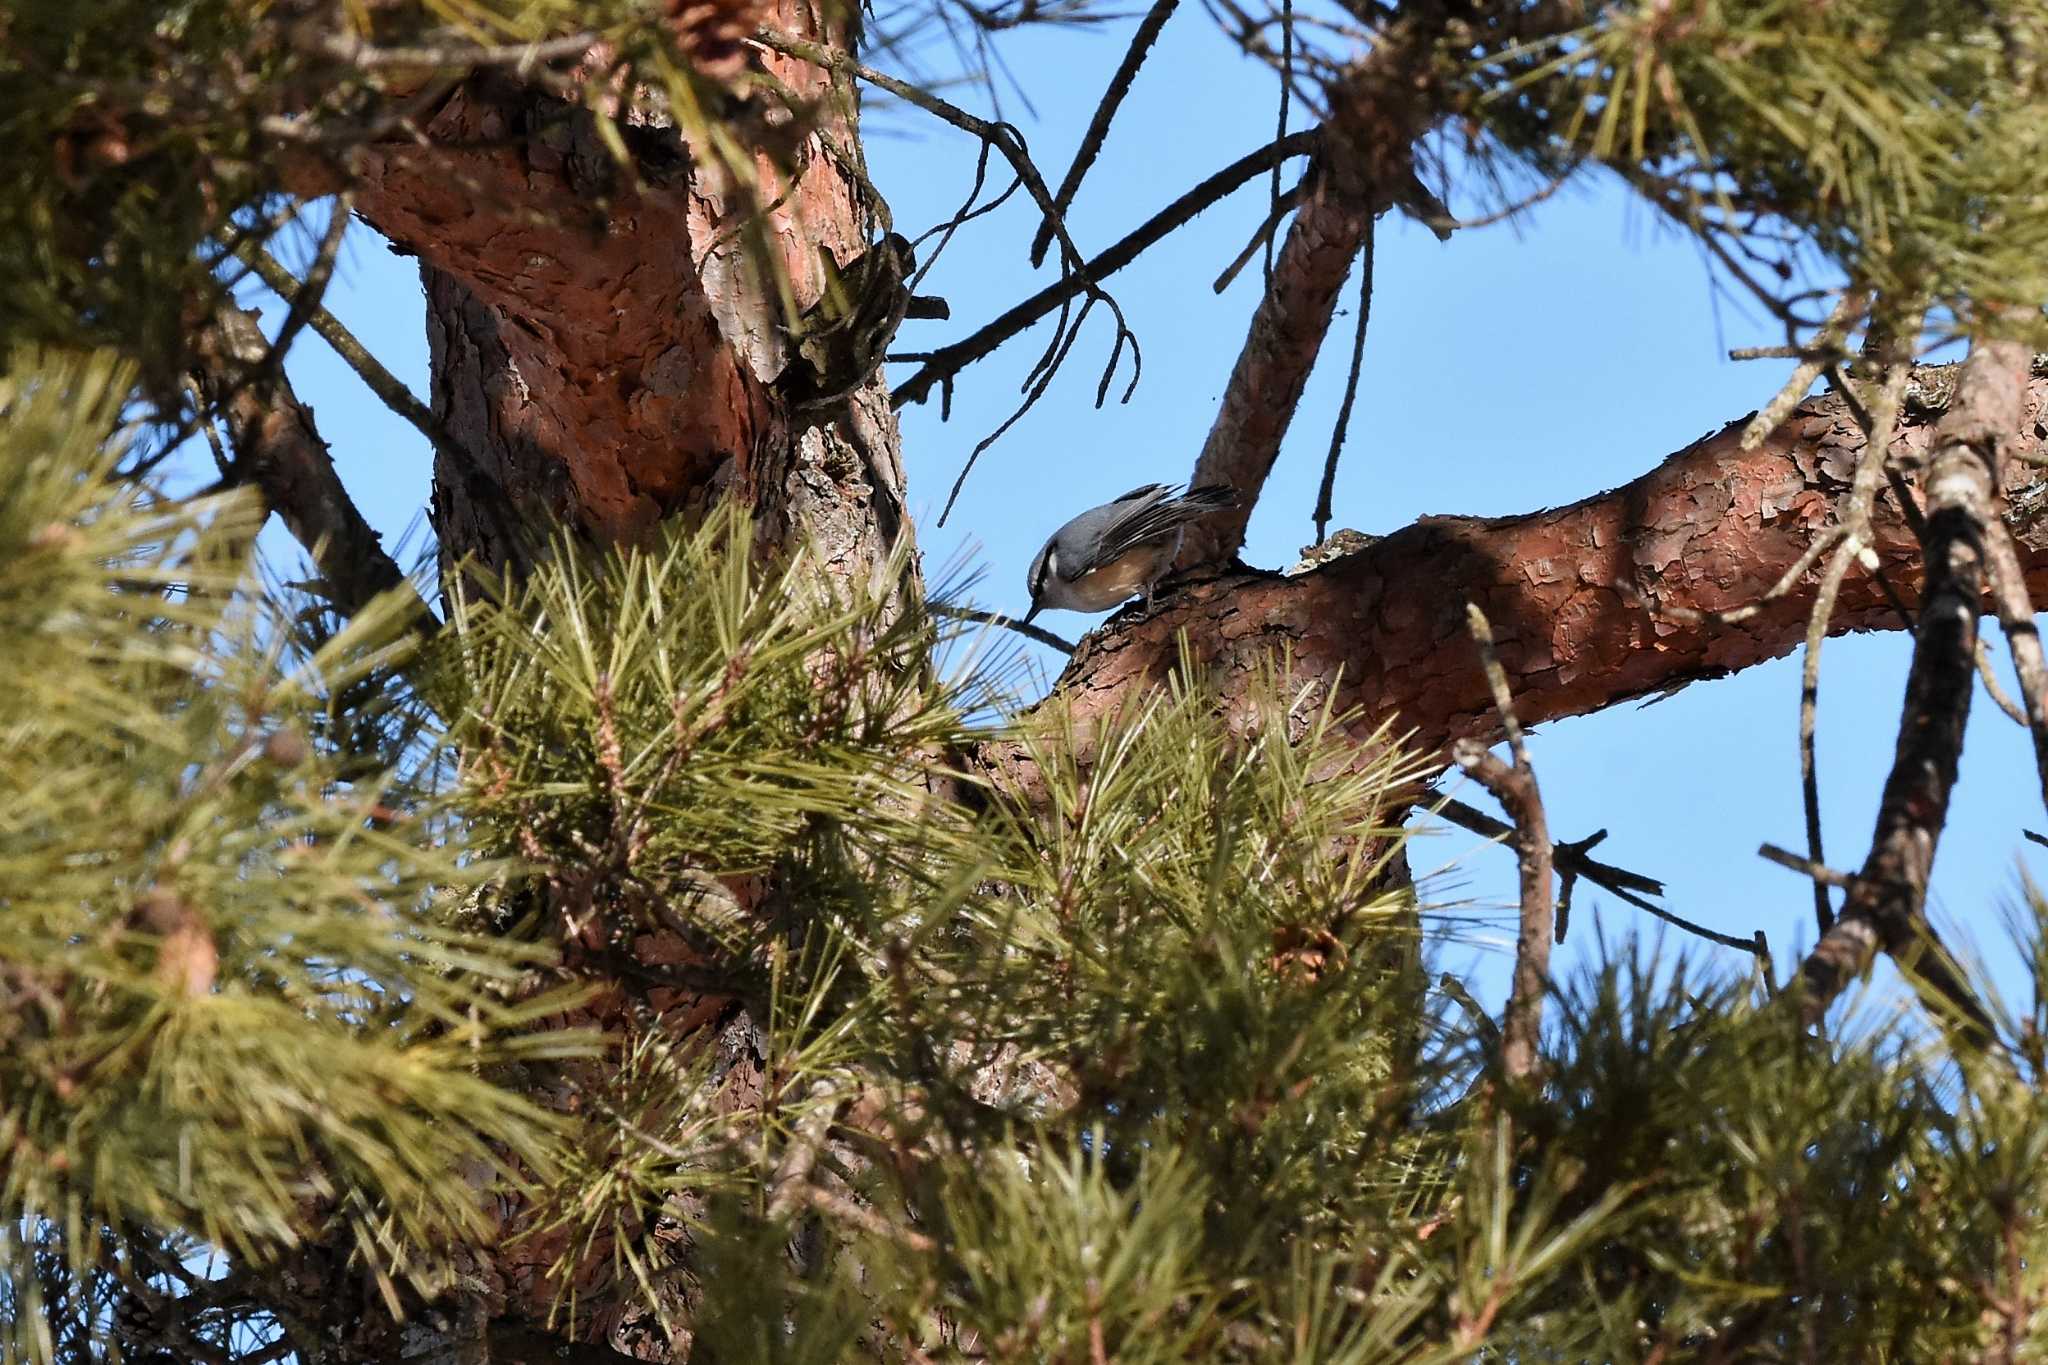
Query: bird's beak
[{"x": 1035, "y": 609}]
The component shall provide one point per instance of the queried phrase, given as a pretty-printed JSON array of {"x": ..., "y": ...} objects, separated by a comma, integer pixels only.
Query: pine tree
[{"x": 648, "y": 941}]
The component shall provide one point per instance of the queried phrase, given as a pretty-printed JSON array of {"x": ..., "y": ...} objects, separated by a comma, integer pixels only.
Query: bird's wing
[{"x": 1151, "y": 520}]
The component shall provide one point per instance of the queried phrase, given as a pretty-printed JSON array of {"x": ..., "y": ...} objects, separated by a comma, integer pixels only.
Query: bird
[{"x": 1111, "y": 553}]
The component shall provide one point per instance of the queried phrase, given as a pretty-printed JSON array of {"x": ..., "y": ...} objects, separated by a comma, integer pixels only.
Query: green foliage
[
  {"x": 1127, "y": 1060},
  {"x": 232, "y": 999},
  {"x": 1901, "y": 139}
]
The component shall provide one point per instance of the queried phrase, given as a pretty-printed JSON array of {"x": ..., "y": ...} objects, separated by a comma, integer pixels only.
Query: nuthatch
[{"x": 1118, "y": 550}]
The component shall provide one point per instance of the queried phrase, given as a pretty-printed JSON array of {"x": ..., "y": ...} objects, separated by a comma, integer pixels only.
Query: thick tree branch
[
  {"x": 278, "y": 449},
  {"x": 1886, "y": 901},
  {"x": 1590, "y": 602},
  {"x": 1327, "y": 234}
]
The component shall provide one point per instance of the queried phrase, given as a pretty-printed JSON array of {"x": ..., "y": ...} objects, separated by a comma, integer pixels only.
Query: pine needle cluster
[
  {"x": 234, "y": 998},
  {"x": 1894, "y": 145}
]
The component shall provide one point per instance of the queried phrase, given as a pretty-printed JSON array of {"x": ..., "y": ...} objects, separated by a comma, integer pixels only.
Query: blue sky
[{"x": 1518, "y": 366}]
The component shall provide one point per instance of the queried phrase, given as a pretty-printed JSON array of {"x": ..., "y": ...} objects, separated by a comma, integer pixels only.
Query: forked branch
[{"x": 1886, "y": 901}]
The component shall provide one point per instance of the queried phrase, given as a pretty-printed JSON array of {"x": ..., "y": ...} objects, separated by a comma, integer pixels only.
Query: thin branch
[
  {"x": 455, "y": 54},
  {"x": 1571, "y": 860},
  {"x": 996, "y": 618},
  {"x": 1280, "y": 349},
  {"x": 278, "y": 448},
  {"x": 1821, "y": 873},
  {"x": 1282, "y": 205},
  {"x": 388, "y": 387},
  {"x": 1515, "y": 788},
  {"x": 1878, "y": 419},
  {"x": 1993, "y": 688},
  {"x": 942, "y": 364},
  {"x": 1825, "y": 348},
  {"x": 1280, "y": 130},
  {"x": 1328, "y": 487},
  {"x": 1496, "y": 682},
  {"x": 867, "y": 1220},
  {"x": 1098, "y": 127},
  {"x": 301, "y": 304}
]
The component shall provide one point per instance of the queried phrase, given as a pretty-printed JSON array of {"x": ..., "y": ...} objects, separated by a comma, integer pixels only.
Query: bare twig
[
  {"x": 1279, "y": 130},
  {"x": 1631, "y": 887},
  {"x": 1328, "y": 487},
  {"x": 1515, "y": 788},
  {"x": 1993, "y": 688},
  {"x": 1283, "y": 203},
  {"x": 1098, "y": 127},
  {"x": 996, "y": 618},
  {"x": 1806, "y": 867},
  {"x": 301, "y": 304},
  {"x": 942, "y": 364},
  {"x": 1878, "y": 419},
  {"x": 388, "y": 387},
  {"x": 1825, "y": 348},
  {"x": 867, "y": 1220},
  {"x": 2015, "y": 608},
  {"x": 1009, "y": 143}
]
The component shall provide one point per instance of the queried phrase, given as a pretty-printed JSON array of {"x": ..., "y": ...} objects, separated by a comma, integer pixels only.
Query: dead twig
[
  {"x": 1009, "y": 143},
  {"x": 1816, "y": 355},
  {"x": 2015, "y": 607},
  {"x": 1515, "y": 788},
  {"x": 996, "y": 618},
  {"x": 1328, "y": 487},
  {"x": 1147, "y": 34},
  {"x": 947, "y": 361}
]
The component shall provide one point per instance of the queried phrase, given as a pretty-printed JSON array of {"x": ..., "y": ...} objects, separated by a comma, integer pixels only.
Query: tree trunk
[{"x": 603, "y": 359}]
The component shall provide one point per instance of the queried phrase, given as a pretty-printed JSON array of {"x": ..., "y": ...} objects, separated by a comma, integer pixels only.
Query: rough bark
[
  {"x": 601, "y": 359},
  {"x": 1580, "y": 597},
  {"x": 601, "y": 353}
]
